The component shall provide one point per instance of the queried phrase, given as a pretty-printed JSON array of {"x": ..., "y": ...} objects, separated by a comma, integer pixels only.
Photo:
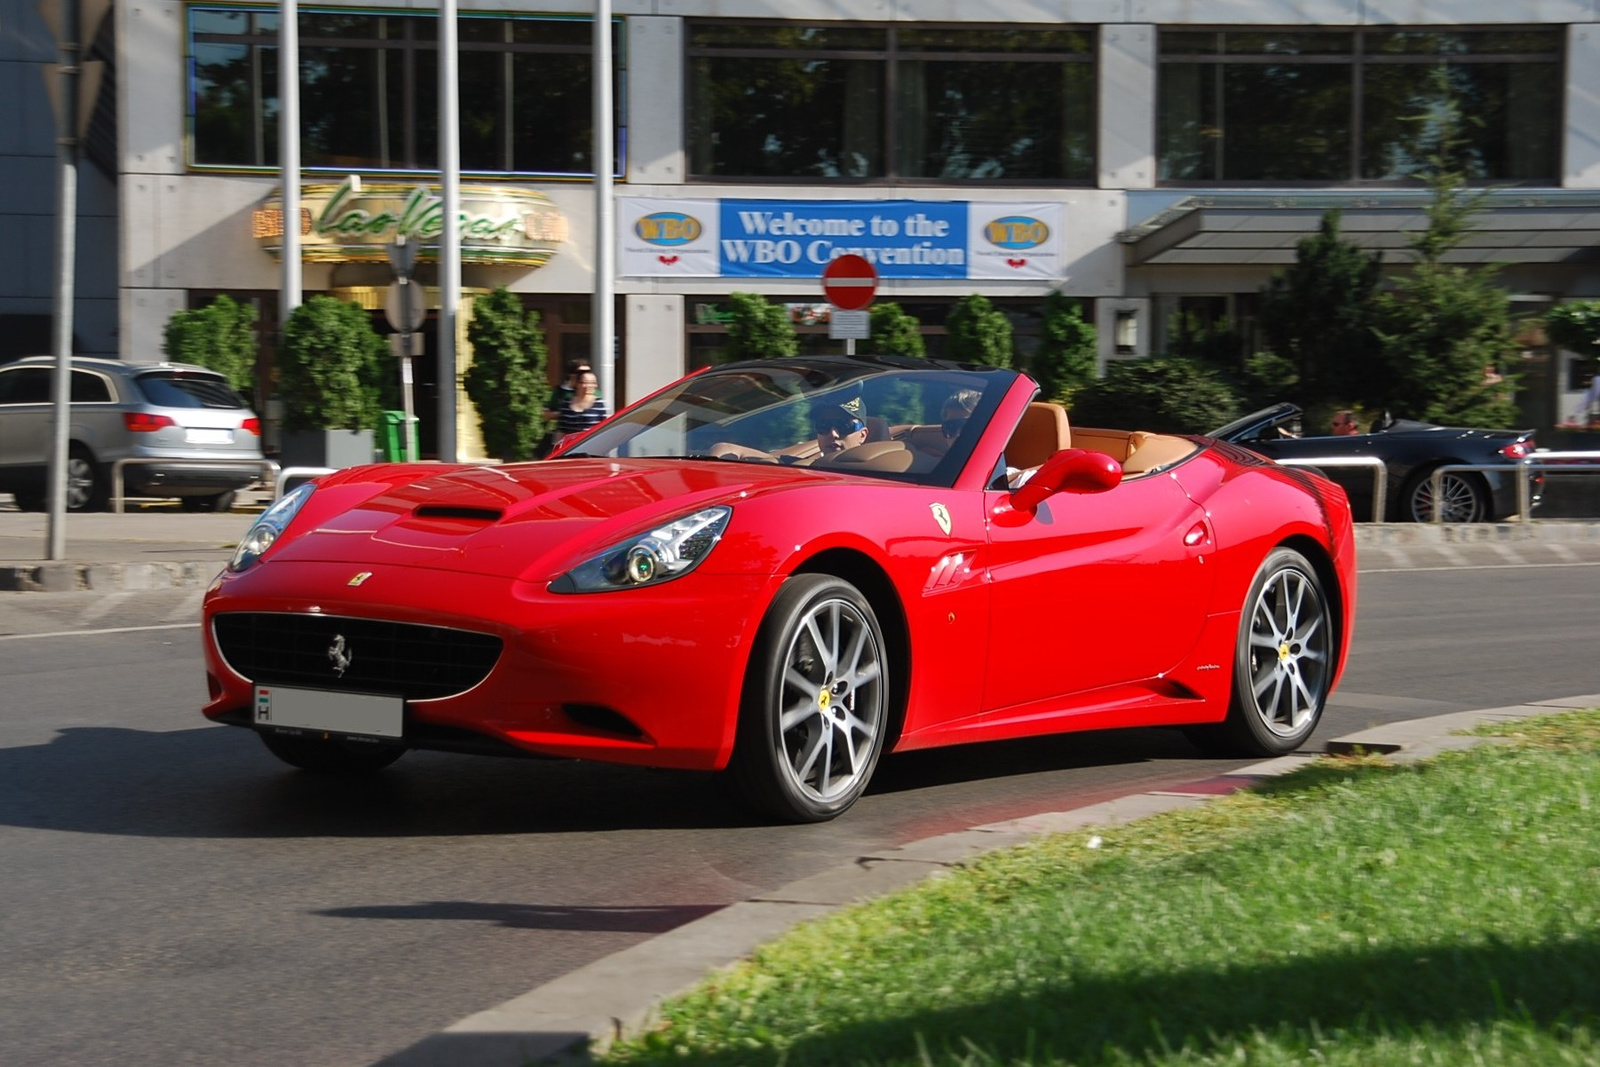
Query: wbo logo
[
  {"x": 667, "y": 229},
  {"x": 1016, "y": 232}
]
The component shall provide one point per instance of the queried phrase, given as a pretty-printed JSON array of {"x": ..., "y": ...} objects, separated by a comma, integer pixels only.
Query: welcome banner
[{"x": 922, "y": 239}]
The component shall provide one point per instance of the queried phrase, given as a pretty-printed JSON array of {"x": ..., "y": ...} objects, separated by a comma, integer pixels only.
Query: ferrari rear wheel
[
  {"x": 1462, "y": 497},
  {"x": 815, "y": 705},
  {"x": 1284, "y": 661},
  {"x": 330, "y": 755}
]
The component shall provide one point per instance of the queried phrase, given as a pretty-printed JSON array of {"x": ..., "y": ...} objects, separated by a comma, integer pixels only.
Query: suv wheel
[{"x": 86, "y": 482}]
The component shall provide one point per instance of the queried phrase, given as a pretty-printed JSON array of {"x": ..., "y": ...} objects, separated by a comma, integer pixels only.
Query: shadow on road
[{"x": 219, "y": 782}]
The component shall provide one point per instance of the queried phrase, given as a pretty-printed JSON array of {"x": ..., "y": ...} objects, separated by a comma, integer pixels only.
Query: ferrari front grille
[{"x": 360, "y": 655}]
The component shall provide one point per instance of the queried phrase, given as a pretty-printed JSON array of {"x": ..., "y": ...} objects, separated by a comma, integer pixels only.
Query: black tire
[
  {"x": 816, "y": 703},
  {"x": 87, "y": 486},
  {"x": 30, "y": 499},
  {"x": 331, "y": 755},
  {"x": 1283, "y": 664},
  {"x": 220, "y": 502},
  {"x": 1465, "y": 497}
]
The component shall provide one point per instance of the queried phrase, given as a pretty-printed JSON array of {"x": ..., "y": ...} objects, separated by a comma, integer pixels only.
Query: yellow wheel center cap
[
  {"x": 1283, "y": 653},
  {"x": 824, "y": 699}
]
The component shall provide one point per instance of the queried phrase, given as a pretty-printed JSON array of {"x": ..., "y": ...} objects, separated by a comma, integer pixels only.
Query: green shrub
[
  {"x": 1066, "y": 359},
  {"x": 221, "y": 336},
  {"x": 1162, "y": 395},
  {"x": 758, "y": 329},
  {"x": 894, "y": 333},
  {"x": 978, "y": 333},
  {"x": 329, "y": 367},
  {"x": 506, "y": 382}
]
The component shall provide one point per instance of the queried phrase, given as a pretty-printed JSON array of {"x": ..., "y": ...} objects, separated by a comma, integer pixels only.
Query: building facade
[{"x": 1150, "y": 157}]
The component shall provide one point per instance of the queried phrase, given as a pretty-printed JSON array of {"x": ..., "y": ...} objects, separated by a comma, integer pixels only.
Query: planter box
[{"x": 326, "y": 448}]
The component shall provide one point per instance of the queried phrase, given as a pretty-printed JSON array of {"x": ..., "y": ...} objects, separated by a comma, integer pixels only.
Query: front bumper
[{"x": 647, "y": 676}]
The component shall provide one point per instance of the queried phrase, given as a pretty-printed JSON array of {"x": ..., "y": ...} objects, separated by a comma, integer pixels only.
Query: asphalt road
[{"x": 172, "y": 895}]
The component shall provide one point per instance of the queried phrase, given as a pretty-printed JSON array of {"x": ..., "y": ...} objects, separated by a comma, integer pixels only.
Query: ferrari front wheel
[
  {"x": 815, "y": 703},
  {"x": 1283, "y": 664},
  {"x": 330, "y": 755}
]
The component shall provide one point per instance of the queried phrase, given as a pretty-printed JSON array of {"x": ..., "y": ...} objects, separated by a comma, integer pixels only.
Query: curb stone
[{"x": 565, "y": 1020}]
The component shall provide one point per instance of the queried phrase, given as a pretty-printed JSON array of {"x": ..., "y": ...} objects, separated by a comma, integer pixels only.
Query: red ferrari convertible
[{"x": 782, "y": 569}]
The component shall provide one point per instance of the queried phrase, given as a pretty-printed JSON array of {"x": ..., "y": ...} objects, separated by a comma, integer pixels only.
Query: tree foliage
[
  {"x": 1066, "y": 359},
  {"x": 329, "y": 366},
  {"x": 758, "y": 329},
  {"x": 1318, "y": 314},
  {"x": 1441, "y": 325},
  {"x": 1164, "y": 394},
  {"x": 507, "y": 382},
  {"x": 978, "y": 332},
  {"x": 221, "y": 336},
  {"x": 1575, "y": 326}
]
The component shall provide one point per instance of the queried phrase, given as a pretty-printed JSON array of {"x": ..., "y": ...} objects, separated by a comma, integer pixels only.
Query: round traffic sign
[{"x": 849, "y": 282}]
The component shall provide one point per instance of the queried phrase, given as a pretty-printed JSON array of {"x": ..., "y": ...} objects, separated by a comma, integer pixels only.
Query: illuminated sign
[{"x": 355, "y": 222}]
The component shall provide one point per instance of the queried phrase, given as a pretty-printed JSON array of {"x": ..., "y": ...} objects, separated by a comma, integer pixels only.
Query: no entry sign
[{"x": 849, "y": 282}]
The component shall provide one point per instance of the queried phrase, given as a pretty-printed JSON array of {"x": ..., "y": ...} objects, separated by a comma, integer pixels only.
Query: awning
[{"x": 1244, "y": 229}]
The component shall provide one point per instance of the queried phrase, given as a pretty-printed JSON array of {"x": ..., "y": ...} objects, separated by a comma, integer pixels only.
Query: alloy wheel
[{"x": 831, "y": 700}]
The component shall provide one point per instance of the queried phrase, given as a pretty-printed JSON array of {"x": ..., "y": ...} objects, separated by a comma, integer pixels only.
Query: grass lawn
[{"x": 1354, "y": 912}]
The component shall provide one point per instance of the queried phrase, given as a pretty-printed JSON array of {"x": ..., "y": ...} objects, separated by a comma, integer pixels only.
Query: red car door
[{"x": 1094, "y": 590}]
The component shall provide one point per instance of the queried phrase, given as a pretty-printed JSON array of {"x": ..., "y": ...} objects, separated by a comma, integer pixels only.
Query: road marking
[{"x": 111, "y": 630}]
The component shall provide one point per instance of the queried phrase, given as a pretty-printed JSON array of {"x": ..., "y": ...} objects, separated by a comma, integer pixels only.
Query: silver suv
[{"x": 171, "y": 413}]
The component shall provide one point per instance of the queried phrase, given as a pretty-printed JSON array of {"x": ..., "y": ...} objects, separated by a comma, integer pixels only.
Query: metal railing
[
  {"x": 1571, "y": 463},
  {"x": 267, "y": 467},
  {"x": 1380, "y": 474},
  {"x": 297, "y": 472}
]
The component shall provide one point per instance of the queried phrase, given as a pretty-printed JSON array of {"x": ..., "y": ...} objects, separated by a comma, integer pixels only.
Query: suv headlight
[
  {"x": 660, "y": 555},
  {"x": 268, "y": 527}
]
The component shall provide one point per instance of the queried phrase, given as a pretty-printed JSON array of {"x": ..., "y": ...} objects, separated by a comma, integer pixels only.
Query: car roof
[{"x": 115, "y": 365}]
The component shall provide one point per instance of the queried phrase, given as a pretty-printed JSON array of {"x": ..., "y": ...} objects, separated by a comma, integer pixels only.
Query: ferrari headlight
[
  {"x": 268, "y": 527},
  {"x": 662, "y": 554}
]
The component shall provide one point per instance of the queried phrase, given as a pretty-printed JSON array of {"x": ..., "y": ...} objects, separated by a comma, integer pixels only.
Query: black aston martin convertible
[{"x": 1410, "y": 451}]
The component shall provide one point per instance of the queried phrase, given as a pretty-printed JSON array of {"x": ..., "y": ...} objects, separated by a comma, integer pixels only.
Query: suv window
[
  {"x": 25, "y": 385},
  {"x": 169, "y": 389},
  {"x": 89, "y": 388}
]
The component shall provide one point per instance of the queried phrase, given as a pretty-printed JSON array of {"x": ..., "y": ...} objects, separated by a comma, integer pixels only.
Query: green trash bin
[{"x": 394, "y": 436}]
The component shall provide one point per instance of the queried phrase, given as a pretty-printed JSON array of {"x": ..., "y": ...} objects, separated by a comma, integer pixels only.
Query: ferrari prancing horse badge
[{"x": 941, "y": 515}]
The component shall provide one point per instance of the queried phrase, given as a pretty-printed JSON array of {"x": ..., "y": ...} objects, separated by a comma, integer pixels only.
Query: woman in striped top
[{"x": 584, "y": 409}]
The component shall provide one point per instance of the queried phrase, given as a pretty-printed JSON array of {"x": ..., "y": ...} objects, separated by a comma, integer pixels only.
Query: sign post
[
  {"x": 405, "y": 310},
  {"x": 849, "y": 282}
]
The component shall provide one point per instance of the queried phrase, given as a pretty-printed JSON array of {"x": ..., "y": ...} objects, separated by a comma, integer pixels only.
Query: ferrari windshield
[{"x": 883, "y": 416}]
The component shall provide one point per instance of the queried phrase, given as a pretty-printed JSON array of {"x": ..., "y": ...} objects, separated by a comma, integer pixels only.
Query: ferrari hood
[{"x": 531, "y": 520}]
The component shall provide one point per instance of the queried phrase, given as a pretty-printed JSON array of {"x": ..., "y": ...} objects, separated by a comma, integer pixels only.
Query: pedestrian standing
[{"x": 583, "y": 409}]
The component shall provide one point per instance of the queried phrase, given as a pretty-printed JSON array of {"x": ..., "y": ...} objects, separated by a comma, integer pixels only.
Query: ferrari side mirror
[{"x": 1072, "y": 470}]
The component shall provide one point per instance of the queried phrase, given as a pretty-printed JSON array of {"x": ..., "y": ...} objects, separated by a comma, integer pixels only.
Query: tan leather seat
[{"x": 1042, "y": 433}]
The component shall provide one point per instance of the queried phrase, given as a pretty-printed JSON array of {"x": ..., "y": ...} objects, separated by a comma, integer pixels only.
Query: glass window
[
  {"x": 369, "y": 91},
  {"x": 1340, "y": 106},
  {"x": 25, "y": 385},
  {"x": 174, "y": 390},
  {"x": 90, "y": 388},
  {"x": 957, "y": 103}
]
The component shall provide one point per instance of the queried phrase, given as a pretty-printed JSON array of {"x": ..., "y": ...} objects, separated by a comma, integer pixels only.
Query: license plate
[
  {"x": 208, "y": 437},
  {"x": 340, "y": 713}
]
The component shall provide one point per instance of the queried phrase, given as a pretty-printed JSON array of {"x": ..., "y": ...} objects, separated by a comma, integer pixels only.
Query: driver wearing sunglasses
[{"x": 837, "y": 429}]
